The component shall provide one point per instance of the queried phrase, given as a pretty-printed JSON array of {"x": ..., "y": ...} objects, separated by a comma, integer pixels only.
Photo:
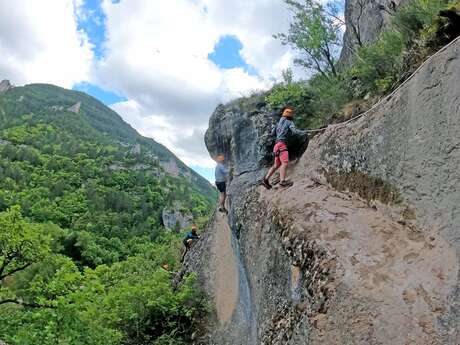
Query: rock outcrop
[
  {"x": 249, "y": 121},
  {"x": 217, "y": 260},
  {"x": 5, "y": 85},
  {"x": 171, "y": 167},
  {"x": 75, "y": 108},
  {"x": 365, "y": 19},
  {"x": 318, "y": 263},
  {"x": 175, "y": 218}
]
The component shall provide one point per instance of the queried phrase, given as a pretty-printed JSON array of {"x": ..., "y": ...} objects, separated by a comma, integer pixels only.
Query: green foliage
[
  {"x": 82, "y": 242},
  {"x": 21, "y": 243},
  {"x": 329, "y": 96},
  {"x": 315, "y": 101},
  {"x": 315, "y": 32},
  {"x": 295, "y": 94},
  {"x": 378, "y": 66},
  {"x": 60, "y": 168},
  {"x": 415, "y": 32},
  {"x": 416, "y": 16},
  {"x": 47, "y": 299}
]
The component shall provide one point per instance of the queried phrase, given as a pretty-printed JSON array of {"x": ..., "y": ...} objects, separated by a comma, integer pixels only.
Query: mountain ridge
[{"x": 109, "y": 123}]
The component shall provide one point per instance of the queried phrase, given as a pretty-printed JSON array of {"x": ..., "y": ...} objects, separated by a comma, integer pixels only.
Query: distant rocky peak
[{"x": 5, "y": 85}]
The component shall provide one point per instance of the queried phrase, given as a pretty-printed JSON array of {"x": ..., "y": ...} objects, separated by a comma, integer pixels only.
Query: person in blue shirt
[
  {"x": 284, "y": 130},
  {"x": 189, "y": 238},
  {"x": 221, "y": 175}
]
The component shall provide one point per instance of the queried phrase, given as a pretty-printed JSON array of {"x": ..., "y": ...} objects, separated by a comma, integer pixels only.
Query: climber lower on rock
[
  {"x": 221, "y": 175},
  {"x": 188, "y": 241},
  {"x": 284, "y": 130}
]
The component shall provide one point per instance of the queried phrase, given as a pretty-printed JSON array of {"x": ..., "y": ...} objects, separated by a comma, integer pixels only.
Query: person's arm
[
  {"x": 294, "y": 130},
  {"x": 273, "y": 131},
  {"x": 224, "y": 171}
]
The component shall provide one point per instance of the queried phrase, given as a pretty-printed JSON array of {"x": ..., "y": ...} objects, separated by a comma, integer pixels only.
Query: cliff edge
[{"x": 364, "y": 248}]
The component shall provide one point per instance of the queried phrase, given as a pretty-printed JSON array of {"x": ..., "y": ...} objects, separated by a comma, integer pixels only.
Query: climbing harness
[
  {"x": 278, "y": 152},
  {"x": 381, "y": 100}
]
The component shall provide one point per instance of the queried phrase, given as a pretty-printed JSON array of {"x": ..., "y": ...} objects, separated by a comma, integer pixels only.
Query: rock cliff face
[
  {"x": 175, "y": 218},
  {"x": 241, "y": 130},
  {"x": 364, "y": 20},
  {"x": 5, "y": 85},
  {"x": 318, "y": 264},
  {"x": 246, "y": 121}
]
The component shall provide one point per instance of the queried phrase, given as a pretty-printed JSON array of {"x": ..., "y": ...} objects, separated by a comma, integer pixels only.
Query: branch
[
  {"x": 330, "y": 14},
  {"x": 318, "y": 66},
  {"x": 25, "y": 304},
  {"x": 3, "y": 276},
  {"x": 327, "y": 54}
]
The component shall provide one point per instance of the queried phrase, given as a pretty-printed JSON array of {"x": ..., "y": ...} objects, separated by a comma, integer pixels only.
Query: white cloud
[
  {"x": 254, "y": 23},
  {"x": 39, "y": 42},
  {"x": 157, "y": 57},
  {"x": 185, "y": 141}
]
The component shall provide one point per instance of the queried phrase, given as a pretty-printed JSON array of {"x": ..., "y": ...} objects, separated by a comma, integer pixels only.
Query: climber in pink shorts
[
  {"x": 284, "y": 129},
  {"x": 281, "y": 154}
]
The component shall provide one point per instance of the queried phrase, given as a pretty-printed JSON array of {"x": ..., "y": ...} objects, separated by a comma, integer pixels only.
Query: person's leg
[
  {"x": 276, "y": 163},
  {"x": 283, "y": 169},
  {"x": 223, "y": 197},
  {"x": 284, "y": 158},
  {"x": 183, "y": 254},
  {"x": 271, "y": 171}
]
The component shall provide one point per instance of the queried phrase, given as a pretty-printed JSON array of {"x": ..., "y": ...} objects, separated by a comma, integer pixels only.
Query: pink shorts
[{"x": 281, "y": 153}]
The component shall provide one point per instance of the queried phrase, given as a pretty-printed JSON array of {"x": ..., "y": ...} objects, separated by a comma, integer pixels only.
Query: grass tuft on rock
[{"x": 366, "y": 186}]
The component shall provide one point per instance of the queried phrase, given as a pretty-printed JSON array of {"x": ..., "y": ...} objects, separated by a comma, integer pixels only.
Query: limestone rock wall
[
  {"x": 247, "y": 121},
  {"x": 365, "y": 19},
  {"x": 412, "y": 141},
  {"x": 319, "y": 266},
  {"x": 174, "y": 218}
]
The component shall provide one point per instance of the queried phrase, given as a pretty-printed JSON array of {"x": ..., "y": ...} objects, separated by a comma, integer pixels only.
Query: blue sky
[
  {"x": 92, "y": 22},
  {"x": 227, "y": 54},
  {"x": 207, "y": 173},
  {"x": 105, "y": 96}
]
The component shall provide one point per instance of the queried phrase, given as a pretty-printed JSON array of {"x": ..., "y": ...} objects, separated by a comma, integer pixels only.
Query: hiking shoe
[
  {"x": 286, "y": 183},
  {"x": 223, "y": 210},
  {"x": 266, "y": 183}
]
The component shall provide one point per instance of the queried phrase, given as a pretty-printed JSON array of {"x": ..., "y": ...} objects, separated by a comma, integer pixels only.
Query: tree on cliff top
[{"x": 316, "y": 32}]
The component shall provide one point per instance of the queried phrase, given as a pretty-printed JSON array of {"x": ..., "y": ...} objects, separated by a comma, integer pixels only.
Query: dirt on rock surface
[
  {"x": 225, "y": 267},
  {"x": 405, "y": 274}
]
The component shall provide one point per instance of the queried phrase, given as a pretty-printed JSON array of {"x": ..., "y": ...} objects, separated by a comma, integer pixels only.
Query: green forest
[{"x": 82, "y": 243}]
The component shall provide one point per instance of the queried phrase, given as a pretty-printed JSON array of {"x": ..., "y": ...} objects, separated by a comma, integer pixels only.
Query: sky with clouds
[{"x": 163, "y": 65}]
